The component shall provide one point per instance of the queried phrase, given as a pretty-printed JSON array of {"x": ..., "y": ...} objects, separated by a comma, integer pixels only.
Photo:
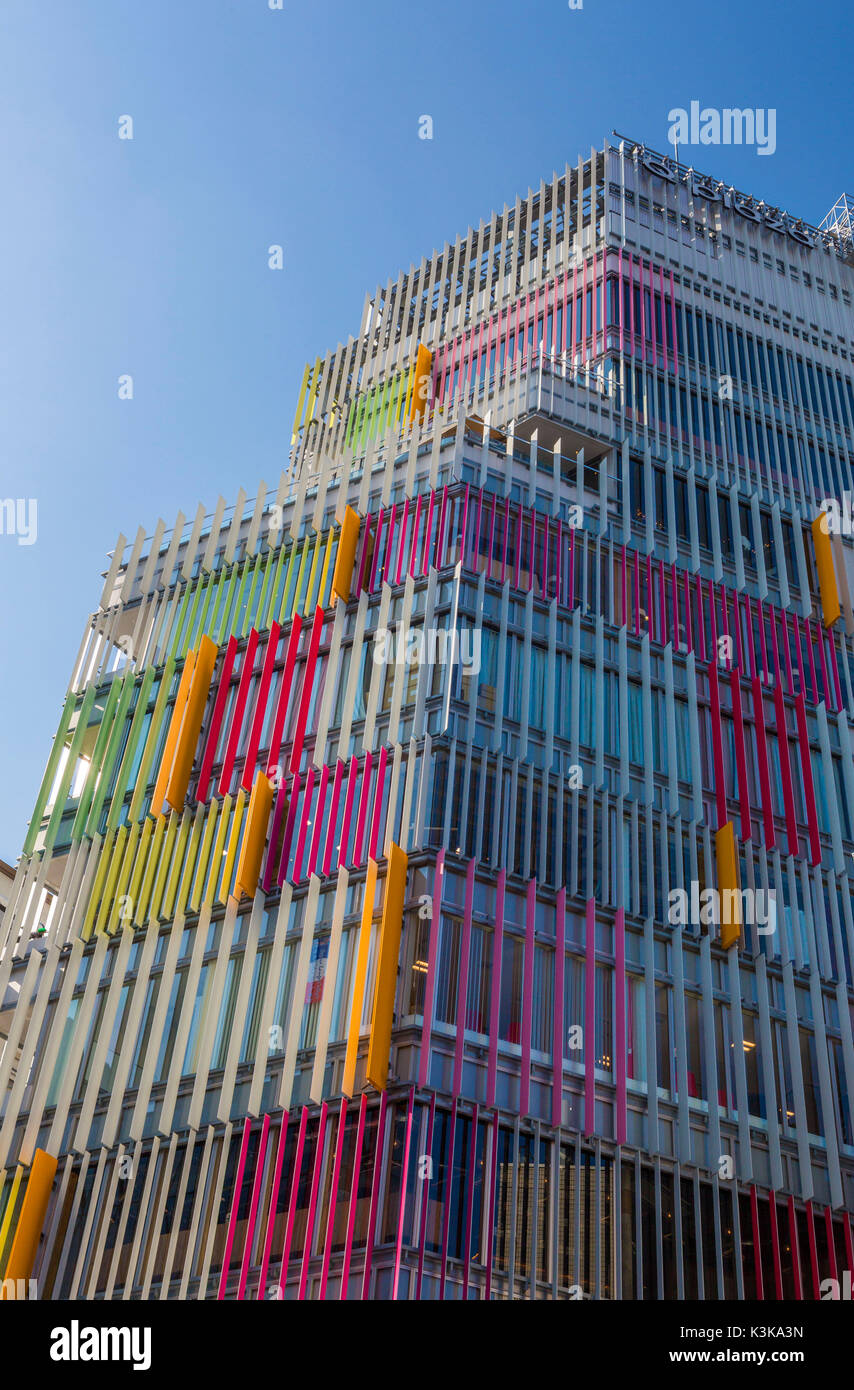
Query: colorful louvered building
[{"x": 345, "y": 956}]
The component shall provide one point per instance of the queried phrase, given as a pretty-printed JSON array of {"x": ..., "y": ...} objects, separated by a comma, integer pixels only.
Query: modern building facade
[{"x": 440, "y": 885}]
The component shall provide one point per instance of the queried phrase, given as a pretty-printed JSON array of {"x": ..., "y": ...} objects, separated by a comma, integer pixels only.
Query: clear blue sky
[{"x": 300, "y": 127}]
